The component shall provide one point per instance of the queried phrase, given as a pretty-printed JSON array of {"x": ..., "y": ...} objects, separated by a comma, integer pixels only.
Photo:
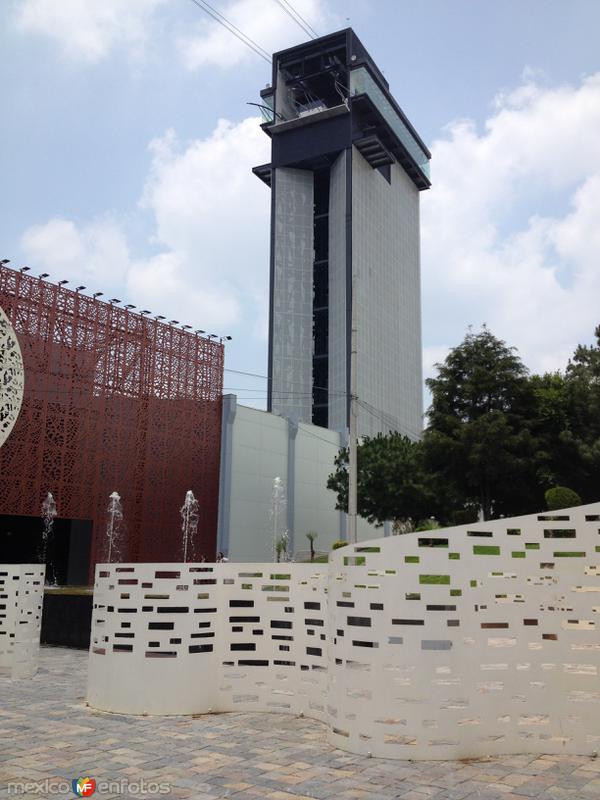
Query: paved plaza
[{"x": 48, "y": 734}]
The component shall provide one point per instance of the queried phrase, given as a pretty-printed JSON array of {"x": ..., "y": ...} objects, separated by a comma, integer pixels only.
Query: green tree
[
  {"x": 311, "y": 536},
  {"x": 479, "y": 443},
  {"x": 557, "y": 457},
  {"x": 391, "y": 480},
  {"x": 583, "y": 382}
]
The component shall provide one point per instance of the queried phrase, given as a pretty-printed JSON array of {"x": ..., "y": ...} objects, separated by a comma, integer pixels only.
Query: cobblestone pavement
[{"x": 47, "y": 732}]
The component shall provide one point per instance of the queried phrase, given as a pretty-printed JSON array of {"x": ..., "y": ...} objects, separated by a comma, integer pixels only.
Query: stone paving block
[
  {"x": 456, "y": 793},
  {"x": 53, "y": 734}
]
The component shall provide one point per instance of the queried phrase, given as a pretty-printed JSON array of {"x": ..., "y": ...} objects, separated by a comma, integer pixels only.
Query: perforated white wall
[
  {"x": 21, "y": 599},
  {"x": 474, "y": 640},
  {"x": 185, "y": 638},
  {"x": 480, "y": 639},
  {"x": 12, "y": 378}
]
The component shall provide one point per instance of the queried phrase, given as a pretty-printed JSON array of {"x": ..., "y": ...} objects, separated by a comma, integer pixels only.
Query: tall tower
[{"x": 345, "y": 174}]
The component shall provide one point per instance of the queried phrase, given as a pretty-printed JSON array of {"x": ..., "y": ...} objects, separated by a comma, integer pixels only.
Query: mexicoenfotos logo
[{"x": 84, "y": 787}]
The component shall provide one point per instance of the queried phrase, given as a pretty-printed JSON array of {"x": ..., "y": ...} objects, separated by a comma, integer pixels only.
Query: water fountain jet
[
  {"x": 189, "y": 524},
  {"x": 113, "y": 527},
  {"x": 48, "y": 515}
]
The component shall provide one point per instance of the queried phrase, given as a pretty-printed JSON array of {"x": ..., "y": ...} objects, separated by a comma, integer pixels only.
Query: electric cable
[
  {"x": 299, "y": 15},
  {"x": 291, "y": 14},
  {"x": 229, "y": 26},
  {"x": 284, "y": 391},
  {"x": 250, "y": 374}
]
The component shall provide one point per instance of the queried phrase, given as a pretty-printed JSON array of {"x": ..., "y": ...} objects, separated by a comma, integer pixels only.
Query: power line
[
  {"x": 290, "y": 383},
  {"x": 229, "y": 26},
  {"x": 291, "y": 14},
  {"x": 281, "y": 392},
  {"x": 299, "y": 15},
  {"x": 288, "y": 394},
  {"x": 322, "y": 439},
  {"x": 387, "y": 419},
  {"x": 250, "y": 374}
]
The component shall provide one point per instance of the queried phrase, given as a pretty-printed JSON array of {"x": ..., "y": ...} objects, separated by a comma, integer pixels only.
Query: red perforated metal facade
[{"x": 114, "y": 400}]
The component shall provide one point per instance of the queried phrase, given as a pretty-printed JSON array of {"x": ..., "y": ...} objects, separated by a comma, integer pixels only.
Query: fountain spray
[
  {"x": 48, "y": 515},
  {"x": 189, "y": 524}
]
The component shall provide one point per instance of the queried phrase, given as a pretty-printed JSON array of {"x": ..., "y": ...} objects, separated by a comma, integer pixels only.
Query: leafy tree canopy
[
  {"x": 583, "y": 432},
  {"x": 479, "y": 439},
  {"x": 391, "y": 481},
  {"x": 497, "y": 439}
]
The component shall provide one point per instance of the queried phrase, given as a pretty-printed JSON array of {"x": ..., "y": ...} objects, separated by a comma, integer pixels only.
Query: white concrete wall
[
  {"x": 258, "y": 447},
  {"x": 314, "y": 504},
  {"x": 470, "y": 641},
  {"x": 21, "y": 600},
  {"x": 259, "y": 455}
]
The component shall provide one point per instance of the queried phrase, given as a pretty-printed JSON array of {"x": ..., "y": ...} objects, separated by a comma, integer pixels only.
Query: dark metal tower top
[{"x": 329, "y": 94}]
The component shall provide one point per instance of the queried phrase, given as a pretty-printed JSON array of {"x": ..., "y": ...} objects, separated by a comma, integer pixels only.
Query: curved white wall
[
  {"x": 186, "y": 638},
  {"x": 486, "y": 645},
  {"x": 475, "y": 640},
  {"x": 21, "y": 600},
  {"x": 12, "y": 378}
]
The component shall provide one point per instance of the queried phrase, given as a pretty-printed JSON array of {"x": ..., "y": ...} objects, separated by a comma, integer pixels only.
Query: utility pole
[{"x": 352, "y": 438}]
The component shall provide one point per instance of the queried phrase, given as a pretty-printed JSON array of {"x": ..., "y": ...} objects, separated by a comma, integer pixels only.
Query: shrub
[
  {"x": 464, "y": 516},
  {"x": 338, "y": 544},
  {"x": 430, "y": 524},
  {"x": 561, "y": 497},
  {"x": 401, "y": 526}
]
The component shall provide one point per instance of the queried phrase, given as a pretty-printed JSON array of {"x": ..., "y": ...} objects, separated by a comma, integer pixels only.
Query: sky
[{"x": 127, "y": 142}]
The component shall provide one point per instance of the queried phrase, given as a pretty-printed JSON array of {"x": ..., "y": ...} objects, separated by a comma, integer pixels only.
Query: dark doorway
[{"x": 68, "y": 554}]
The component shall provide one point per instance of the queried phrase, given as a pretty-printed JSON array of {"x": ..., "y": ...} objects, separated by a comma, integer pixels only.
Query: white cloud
[
  {"x": 211, "y": 210},
  {"x": 89, "y": 29},
  {"x": 489, "y": 255},
  {"x": 95, "y": 253},
  {"x": 210, "y": 222},
  {"x": 207, "y": 201},
  {"x": 263, "y": 21},
  {"x": 510, "y": 230},
  {"x": 164, "y": 284}
]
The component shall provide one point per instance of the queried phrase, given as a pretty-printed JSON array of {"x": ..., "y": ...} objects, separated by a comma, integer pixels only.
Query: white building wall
[
  {"x": 257, "y": 447},
  {"x": 259, "y": 455},
  {"x": 314, "y": 505}
]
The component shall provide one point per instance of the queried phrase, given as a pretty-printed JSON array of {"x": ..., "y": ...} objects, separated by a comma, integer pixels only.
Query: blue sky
[{"x": 127, "y": 146}]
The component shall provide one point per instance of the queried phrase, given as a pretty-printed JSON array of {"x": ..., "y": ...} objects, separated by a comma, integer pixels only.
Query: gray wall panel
[
  {"x": 337, "y": 295},
  {"x": 292, "y": 296},
  {"x": 264, "y": 446},
  {"x": 386, "y": 263}
]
